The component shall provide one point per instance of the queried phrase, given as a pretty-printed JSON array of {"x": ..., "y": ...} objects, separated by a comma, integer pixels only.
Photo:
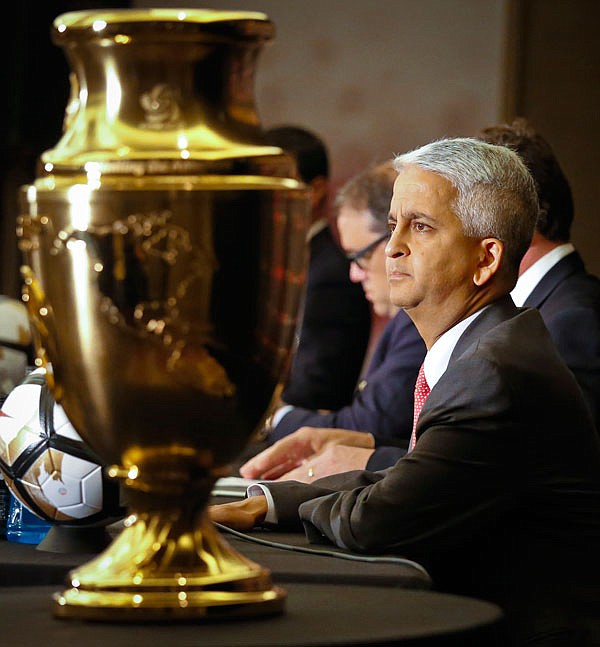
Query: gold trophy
[{"x": 164, "y": 258}]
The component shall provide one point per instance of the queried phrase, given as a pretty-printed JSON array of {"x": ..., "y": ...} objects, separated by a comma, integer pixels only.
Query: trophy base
[
  {"x": 154, "y": 571},
  {"x": 117, "y": 606}
]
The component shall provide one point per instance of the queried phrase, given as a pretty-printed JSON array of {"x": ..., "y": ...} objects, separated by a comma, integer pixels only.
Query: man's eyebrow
[{"x": 413, "y": 215}]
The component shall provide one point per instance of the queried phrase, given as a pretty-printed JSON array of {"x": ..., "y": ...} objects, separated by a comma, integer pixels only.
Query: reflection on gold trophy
[{"x": 164, "y": 258}]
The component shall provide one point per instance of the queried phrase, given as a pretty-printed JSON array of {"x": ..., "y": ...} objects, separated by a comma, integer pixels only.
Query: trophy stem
[{"x": 159, "y": 568}]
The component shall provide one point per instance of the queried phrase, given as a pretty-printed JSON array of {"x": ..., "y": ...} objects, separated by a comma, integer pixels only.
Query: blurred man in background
[
  {"x": 336, "y": 322},
  {"x": 552, "y": 276}
]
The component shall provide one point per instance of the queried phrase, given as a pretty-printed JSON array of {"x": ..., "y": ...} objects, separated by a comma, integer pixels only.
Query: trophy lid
[
  {"x": 110, "y": 22},
  {"x": 157, "y": 91}
]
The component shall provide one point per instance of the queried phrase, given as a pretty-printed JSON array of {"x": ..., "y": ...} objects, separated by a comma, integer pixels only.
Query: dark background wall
[
  {"x": 377, "y": 77},
  {"x": 34, "y": 97},
  {"x": 553, "y": 74},
  {"x": 374, "y": 77}
]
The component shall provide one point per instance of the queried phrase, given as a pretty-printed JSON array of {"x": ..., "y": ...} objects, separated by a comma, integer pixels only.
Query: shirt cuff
[
  {"x": 258, "y": 489},
  {"x": 279, "y": 414}
]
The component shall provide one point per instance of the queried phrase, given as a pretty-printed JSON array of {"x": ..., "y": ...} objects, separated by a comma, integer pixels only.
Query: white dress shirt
[
  {"x": 438, "y": 356},
  {"x": 527, "y": 282}
]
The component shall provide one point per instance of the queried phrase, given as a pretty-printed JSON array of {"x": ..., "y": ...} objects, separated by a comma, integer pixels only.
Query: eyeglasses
[{"x": 363, "y": 255}]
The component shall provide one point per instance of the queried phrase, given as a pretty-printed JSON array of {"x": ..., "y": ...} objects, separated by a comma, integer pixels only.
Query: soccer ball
[{"x": 45, "y": 463}]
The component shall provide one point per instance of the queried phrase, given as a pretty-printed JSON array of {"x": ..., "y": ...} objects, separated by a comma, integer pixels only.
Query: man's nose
[
  {"x": 396, "y": 246},
  {"x": 357, "y": 274}
]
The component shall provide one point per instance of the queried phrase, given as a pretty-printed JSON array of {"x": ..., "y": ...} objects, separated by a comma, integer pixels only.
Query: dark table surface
[
  {"x": 24, "y": 565},
  {"x": 331, "y": 601},
  {"x": 316, "y": 614}
]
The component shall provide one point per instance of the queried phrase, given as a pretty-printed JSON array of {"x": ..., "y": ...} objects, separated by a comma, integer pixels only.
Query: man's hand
[
  {"x": 333, "y": 459},
  {"x": 240, "y": 515},
  {"x": 290, "y": 452}
]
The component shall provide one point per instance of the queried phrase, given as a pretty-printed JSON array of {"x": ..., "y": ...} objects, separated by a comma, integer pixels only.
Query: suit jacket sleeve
[
  {"x": 385, "y": 456},
  {"x": 576, "y": 333},
  {"x": 383, "y": 404},
  {"x": 456, "y": 476},
  {"x": 568, "y": 298}
]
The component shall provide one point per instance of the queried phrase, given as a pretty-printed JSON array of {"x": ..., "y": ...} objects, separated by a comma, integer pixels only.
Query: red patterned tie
[{"x": 422, "y": 390}]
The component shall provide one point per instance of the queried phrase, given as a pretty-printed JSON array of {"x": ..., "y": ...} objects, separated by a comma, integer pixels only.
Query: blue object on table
[
  {"x": 4, "y": 505},
  {"x": 23, "y": 526}
]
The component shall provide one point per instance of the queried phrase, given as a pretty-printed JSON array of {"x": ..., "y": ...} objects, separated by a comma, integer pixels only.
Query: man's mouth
[{"x": 397, "y": 274}]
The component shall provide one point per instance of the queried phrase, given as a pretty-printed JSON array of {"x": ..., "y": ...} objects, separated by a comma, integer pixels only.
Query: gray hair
[
  {"x": 370, "y": 189},
  {"x": 496, "y": 195}
]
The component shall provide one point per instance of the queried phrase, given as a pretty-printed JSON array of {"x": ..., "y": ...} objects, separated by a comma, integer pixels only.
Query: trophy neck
[{"x": 169, "y": 90}]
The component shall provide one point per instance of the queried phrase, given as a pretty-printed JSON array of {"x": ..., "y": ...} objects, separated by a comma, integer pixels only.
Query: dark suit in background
[
  {"x": 500, "y": 499},
  {"x": 335, "y": 331},
  {"x": 568, "y": 299},
  {"x": 383, "y": 403},
  {"x": 336, "y": 320}
]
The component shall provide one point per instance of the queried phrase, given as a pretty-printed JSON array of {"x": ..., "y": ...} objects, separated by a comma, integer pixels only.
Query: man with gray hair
[{"x": 499, "y": 496}]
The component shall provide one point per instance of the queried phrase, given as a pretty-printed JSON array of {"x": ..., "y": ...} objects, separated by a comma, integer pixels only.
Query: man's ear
[{"x": 491, "y": 251}]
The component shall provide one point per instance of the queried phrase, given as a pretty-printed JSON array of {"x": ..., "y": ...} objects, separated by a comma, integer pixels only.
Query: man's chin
[
  {"x": 400, "y": 299},
  {"x": 382, "y": 309},
  {"x": 404, "y": 304}
]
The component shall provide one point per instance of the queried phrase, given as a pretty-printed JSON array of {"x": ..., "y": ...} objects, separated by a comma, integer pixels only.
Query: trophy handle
[{"x": 38, "y": 310}]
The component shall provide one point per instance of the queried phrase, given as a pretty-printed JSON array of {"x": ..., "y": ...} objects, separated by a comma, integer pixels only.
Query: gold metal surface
[
  {"x": 163, "y": 91},
  {"x": 164, "y": 249},
  {"x": 169, "y": 574}
]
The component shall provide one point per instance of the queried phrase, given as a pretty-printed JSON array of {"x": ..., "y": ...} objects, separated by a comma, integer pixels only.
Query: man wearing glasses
[
  {"x": 362, "y": 256},
  {"x": 379, "y": 419}
]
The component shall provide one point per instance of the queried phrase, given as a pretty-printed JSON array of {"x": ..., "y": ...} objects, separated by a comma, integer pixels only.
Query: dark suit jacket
[
  {"x": 500, "y": 498},
  {"x": 383, "y": 403},
  {"x": 335, "y": 331},
  {"x": 568, "y": 299}
]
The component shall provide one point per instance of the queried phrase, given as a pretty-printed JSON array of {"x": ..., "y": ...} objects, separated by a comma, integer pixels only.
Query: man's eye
[
  {"x": 391, "y": 225},
  {"x": 420, "y": 226}
]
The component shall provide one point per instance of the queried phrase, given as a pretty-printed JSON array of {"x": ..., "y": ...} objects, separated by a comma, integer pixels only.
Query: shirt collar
[
  {"x": 316, "y": 227},
  {"x": 438, "y": 356},
  {"x": 527, "y": 282}
]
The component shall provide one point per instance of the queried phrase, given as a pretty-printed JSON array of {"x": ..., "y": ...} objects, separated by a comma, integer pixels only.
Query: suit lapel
[
  {"x": 555, "y": 275},
  {"x": 494, "y": 314}
]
